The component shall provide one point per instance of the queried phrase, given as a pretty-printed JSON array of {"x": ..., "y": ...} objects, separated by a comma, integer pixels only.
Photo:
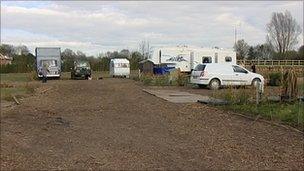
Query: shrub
[
  {"x": 161, "y": 80},
  {"x": 234, "y": 96},
  {"x": 182, "y": 79},
  {"x": 275, "y": 79},
  {"x": 146, "y": 79}
]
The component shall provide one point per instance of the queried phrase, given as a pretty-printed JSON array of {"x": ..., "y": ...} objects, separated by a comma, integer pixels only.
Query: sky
[{"x": 99, "y": 26}]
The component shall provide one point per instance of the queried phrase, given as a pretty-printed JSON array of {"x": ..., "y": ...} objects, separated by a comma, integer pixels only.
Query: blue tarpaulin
[{"x": 162, "y": 70}]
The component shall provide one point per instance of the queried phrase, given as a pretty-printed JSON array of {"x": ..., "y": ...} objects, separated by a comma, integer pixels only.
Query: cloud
[{"x": 97, "y": 26}]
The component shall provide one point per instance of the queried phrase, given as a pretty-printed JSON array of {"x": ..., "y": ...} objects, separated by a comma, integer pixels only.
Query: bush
[
  {"x": 146, "y": 79},
  {"x": 275, "y": 79},
  {"x": 161, "y": 80},
  {"x": 234, "y": 95},
  {"x": 182, "y": 79}
]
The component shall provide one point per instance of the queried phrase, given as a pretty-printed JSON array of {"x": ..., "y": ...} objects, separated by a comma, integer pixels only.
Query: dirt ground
[{"x": 113, "y": 124}]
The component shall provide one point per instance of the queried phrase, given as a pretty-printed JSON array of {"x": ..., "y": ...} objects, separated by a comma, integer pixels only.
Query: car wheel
[
  {"x": 214, "y": 84},
  {"x": 255, "y": 82}
]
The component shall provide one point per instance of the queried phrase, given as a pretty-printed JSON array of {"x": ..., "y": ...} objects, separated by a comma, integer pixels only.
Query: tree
[
  {"x": 68, "y": 56},
  {"x": 301, "y": 53},
  {"x": 7, "y": 50},
  {"x": 241, "y": 48},
  {"x": 125, "y": 53},
  {"x": 21, "y": 50},
  {"x": 251, "y": 53},
  {"x": 134, "y": 60},
  {"x": 145, "y": 49},
  {"x": 263, "y": 51},
  {"x": 283, "y": 31}
]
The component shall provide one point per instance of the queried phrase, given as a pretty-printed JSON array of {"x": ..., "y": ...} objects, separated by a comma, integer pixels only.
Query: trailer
[
  {"x": 186, "y": 58},
  {"x": 49, "y": 57},
  {"x": 120, "y": 67}
]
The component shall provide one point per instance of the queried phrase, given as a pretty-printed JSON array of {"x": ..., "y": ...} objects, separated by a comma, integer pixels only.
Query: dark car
[{"x": 81, "y": 70}]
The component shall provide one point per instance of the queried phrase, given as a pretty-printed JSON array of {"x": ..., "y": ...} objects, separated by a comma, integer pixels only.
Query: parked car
[
  {"x": 81, "y": 70},
  {"x": 217, "y": 75}
]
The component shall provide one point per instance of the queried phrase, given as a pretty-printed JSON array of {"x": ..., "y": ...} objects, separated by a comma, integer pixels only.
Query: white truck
[
  {"x": 120, "y": 67},
  {"x": 49, "y": 57},
  {"x": 187, "y": 58}
]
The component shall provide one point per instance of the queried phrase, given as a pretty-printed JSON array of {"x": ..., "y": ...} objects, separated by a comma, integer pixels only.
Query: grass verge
[{"x": 288, "y": 113}]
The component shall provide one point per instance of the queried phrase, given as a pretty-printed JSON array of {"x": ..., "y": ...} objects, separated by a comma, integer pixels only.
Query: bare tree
[
  {"x": 283, "y": 31},
  {"x": 144, "y": 49},
  {"x": 241, "y": 48}
]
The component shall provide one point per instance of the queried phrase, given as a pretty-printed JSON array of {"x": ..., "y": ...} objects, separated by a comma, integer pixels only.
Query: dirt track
[{"x": 112, "y": 124}]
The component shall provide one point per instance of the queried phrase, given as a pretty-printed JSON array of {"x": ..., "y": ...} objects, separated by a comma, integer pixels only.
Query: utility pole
[{"x": 235, "y": 32}]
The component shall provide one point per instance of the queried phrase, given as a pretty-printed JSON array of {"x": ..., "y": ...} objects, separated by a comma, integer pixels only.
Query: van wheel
[
  {"x": 214, "y": 84},
  {"x": 255, "y": 82}
]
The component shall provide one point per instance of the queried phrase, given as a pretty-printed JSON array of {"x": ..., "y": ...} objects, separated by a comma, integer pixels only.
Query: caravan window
[
  {"x": 122, "y": 65},
  {"x": 207, "y": 59},
  {"x": 228, "y": 59}
]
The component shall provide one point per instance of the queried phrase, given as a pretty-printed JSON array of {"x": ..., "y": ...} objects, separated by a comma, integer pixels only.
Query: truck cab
[{"x": 81, "y": 70}]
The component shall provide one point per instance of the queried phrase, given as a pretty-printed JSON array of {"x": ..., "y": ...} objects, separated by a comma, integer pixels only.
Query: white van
[
  {"x": 217, "y": 75},
  {"x": 120, "y": 67}
]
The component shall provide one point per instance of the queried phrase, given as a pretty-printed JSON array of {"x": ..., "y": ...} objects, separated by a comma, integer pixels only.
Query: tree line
[
  {"x": 282, "y": 36},
  {"x": 24, "y": 61}
]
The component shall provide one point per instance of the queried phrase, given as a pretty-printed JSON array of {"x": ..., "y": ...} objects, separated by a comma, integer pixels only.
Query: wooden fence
[{"x": 272, "y": 62}]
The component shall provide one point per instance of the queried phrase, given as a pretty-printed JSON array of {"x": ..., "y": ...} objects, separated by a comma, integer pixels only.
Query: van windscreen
[{"x": 200, "y": 68}]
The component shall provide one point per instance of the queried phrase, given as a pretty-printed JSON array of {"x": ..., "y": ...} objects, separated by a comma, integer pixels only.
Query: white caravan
[
  {"x": 187, "y": 58},
  {"x": 120, "y": 67}
]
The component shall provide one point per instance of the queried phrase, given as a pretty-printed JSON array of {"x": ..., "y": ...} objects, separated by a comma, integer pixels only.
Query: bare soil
[{"x": 113, "y": 124}]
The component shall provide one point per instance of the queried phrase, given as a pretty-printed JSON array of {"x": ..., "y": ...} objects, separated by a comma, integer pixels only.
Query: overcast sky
[{"x": 100, "y": 26}]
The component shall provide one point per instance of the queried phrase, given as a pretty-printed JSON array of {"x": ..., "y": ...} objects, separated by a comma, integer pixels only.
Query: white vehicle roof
[
  {"x": 120, "y": 60},
  {"x": 192, "y": 48}
]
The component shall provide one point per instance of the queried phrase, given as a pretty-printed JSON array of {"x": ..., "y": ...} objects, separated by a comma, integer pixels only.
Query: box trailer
[
  {"x": 49, "y": 57},
  {"x": 120, "y": 67},
  {"x": 186, "y": 58}
]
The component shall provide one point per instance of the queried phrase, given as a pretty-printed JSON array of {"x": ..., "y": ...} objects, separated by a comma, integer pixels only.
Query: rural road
[{"x": 113, "y": 124}]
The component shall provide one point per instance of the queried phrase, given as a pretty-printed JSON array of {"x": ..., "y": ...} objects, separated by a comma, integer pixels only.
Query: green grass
[
  {"x": 8, "y": 93},
  {"x": 16, "y": 84},
  {"x": 15, "y": 77},
  {"x": 291, "y": 114}
]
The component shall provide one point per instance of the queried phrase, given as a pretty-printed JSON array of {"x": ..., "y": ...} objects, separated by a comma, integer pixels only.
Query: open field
[{"x": 113, "y": 124}]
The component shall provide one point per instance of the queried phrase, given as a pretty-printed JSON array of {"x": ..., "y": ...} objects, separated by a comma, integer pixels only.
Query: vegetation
[
  {"x": 289, "y": 113},
  {"x": 175, "y": 78},
  {"x": 275, "y": 79},
  {"x": 242, "y": 100},
  {"x": 16, "y": 84},
  {"x": 283, "y": 32},
  {"x": 23, "y": 61}
]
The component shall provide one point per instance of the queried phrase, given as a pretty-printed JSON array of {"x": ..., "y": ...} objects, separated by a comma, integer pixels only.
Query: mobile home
[
  {"x": 186, "y": 58},
  {"x": 120, "y": 67},
  {"x": 49, "y": 57}
]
